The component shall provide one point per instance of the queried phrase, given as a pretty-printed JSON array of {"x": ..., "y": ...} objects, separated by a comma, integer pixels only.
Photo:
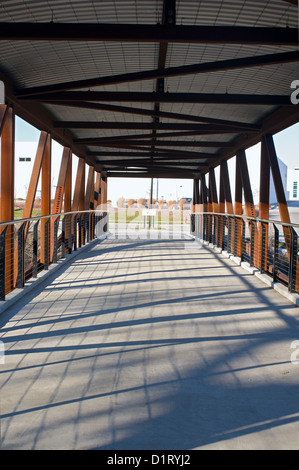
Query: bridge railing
[
  {"x": 29, "y": 246},
  {"x": 268, "y": 245}
]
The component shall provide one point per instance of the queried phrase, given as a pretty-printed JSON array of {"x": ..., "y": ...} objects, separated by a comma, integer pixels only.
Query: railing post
[
  {"x": 293, "y": 260},
  {"x": 192, "y": 224},
  {"x": 75, "y": 232},
  {"x": 46, "y": 245},
  {"x": 263, "y": 248},
  {"x": 35, "y": 249},
  {"x": 21, "y": 255},
  {"x": 235, "y": 236},
  {"x": 275, "y": 253},
  {"x": 63, "y": 237},
  {"x": 252, "y": 242},
  {"x": 2, "y": 263},
  {"x": 214, "y": 230},
  {"x": 56, "y": 222},
  {"x": 223, "y": 231},
  {"x": 242, "y": 250},
  {"x": 229, "y": 235},
  {"x": 80, "y": 230},
  {"x": 70, "y": 236},
  {"x": 218, "y": 230}
]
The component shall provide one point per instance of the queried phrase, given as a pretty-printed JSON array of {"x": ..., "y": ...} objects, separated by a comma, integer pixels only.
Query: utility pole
[{"x": 151, "y": 202}]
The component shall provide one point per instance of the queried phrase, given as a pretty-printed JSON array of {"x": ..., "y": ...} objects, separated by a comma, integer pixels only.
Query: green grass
[{"x": 19, "y": 212}]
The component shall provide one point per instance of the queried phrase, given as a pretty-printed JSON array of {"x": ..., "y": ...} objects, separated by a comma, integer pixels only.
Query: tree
[
  {"x": 182, "y": 202},
  {"x": 120, "y": 202}
]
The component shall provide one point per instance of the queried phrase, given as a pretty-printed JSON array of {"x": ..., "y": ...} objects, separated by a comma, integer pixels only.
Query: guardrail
[
  {"x": 28, "y": 246},
  {"x": 268, "y": 245}
]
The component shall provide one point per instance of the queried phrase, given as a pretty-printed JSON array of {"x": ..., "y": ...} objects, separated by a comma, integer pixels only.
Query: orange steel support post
[
  {"x": 104, "y": 201},
  {"x": 196, "y": 196},
  {"x": 249, "y": 204},
  {"x": 78, "y": 184},
  {"x": 77, "y": 190},
  {"x": 238, "y": 205},
  {"x": 3, "y": 113},
  {"x": 68, "y": 185},
  {"x": 204, "y": 204},
  {"x": 82, "y": 201},
  {"x": 68, "y": 199},
  {"x": 221, "y": 205},
  {"x": 204, "y": 193},
  {"x": 30, "y": 198},
  {"x": 227, "y": 190},
  {"x": 89, "y": 195},
  {"x": 97, "y": 189},
  {"x": 60, "y": 188},
  {"x": 228, "y": 195},
  {"x": 104, "y": 193},
  {"x": 195, "y": 205},
  {"x": 214, "y": 196},
  {"x": 91, "y": 205},
  {"x": 89, "y": 188},
  {"x": 281, "y": 199},
  {"x": 29, "y": 203},
  {"x": 280, "y": 195},
  {"x": 7, "y": 189},
  {"x": 46, "y": 201},
  {"x": 264, "y": 200}
]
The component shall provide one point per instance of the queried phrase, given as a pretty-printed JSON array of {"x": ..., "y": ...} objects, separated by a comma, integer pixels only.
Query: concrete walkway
[{"x": 150, "y": 345}]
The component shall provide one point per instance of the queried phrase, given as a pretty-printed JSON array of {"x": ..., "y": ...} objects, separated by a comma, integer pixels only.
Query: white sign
[
  {"x": 151, "y": 212},
  {"x": 2, "y": 92}
]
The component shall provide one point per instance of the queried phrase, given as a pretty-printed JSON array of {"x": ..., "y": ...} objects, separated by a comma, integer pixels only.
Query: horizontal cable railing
[
  {"x": 268, "y": 245},
  {"x": 28, "y": 246}
]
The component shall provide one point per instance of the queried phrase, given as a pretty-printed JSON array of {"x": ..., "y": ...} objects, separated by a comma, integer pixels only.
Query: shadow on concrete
[{"x": 211, "y": 371}]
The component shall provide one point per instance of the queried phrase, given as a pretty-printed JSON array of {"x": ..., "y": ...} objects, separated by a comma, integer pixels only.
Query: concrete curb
[
  {"x": 277, "y": 286},
  {"x": 18, "y": 294}
]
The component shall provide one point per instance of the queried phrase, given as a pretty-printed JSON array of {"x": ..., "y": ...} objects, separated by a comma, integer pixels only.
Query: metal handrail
[
  {"x": 20, "y": 257},
  {"x": 257, "y": 219},
  {"x": 61, "y": 214},
  {"x": 227, "y": 231}
]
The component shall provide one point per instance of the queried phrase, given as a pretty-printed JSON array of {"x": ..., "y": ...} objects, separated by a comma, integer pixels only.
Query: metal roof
[{"x": 170, "y": 87}]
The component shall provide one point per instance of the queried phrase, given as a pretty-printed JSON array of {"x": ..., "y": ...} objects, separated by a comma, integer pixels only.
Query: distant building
[
  {"x": 284, "y": 176},
  {"x": 25, "y": 153},
  {"x": 24, "y": 160},
  {"x": 293, "y": 184}
]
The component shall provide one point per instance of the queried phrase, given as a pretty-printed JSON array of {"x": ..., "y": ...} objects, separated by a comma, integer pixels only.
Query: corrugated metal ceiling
[{"x": 28, "y": 63}]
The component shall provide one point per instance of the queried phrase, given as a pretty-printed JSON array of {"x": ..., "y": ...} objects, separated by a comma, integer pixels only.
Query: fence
[
  {"x": 269, "y": 245},
  {"x": 28, "y": 246}
]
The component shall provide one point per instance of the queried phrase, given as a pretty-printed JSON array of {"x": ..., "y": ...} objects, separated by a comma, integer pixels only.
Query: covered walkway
[{"x": 150, "y": 344}]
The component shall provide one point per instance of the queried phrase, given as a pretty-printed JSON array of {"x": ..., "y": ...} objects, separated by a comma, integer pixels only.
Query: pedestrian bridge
[
  {"x": 140, "y": 340},
  {"x": 150, "y": 344}
]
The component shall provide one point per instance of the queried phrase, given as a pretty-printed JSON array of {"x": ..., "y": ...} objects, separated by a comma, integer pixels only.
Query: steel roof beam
[
  {"x": 151, "y": 174},
  {"x": 21, "y": 31},
  {"x": 154, "y": 97},
  {"x": 200, "y": 128},
  {"x": 144, "y": 162},
  {"x": 159, "y": 156},
  {"x": 165, "y": 143},
  {"x": 130, "y": 137},
  {"x": 161, "y": 72},
  {"x": 149, "y": 112}
]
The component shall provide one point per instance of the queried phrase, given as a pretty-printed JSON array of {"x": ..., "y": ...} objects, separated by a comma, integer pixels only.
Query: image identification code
[{"x": 165, "y": 459}]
